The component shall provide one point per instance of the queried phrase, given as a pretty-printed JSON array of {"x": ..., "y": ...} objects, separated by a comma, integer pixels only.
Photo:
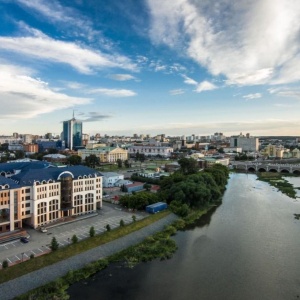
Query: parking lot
[{"x": 39, "y": 243}]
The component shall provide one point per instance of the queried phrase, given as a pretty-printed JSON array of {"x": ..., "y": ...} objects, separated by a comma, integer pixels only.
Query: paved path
[{"x": 23, "y": 284}]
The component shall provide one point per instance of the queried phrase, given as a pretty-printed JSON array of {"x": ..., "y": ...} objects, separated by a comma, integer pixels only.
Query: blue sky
[{"x": 150, "y": 66}]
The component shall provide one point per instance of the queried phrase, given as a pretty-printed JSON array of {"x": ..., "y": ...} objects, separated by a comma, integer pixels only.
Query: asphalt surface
[
  {"x": 16, "y": 251},
  {"x": 43, "y": 276}
]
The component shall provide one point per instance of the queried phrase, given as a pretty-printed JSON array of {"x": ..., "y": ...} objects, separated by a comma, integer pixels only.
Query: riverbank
[{"x": 50, "y": 273}]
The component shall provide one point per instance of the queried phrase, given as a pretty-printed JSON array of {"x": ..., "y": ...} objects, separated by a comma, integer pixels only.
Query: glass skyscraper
[{"x": 72, "y": 133}]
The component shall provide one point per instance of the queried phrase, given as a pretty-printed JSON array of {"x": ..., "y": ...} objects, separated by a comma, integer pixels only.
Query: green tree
[
  {"x": 124, "y": 188},
  {"x": 188, "y": 166},
  {"x": 54, "y": 244},
  {"x": 74, "y": 239},
  {"x": 92, "y": 161},
  {"x": 5, "y": 264},
  {"x": 133, "y": 218},
  {"x": 120, "y": 163},
  {"x": 92, "y": 231},
  {"x": 122, "y": 223},
  {"x": 108, "y": 227},
  {"x": 126, "y": 163},
  {"x": 52, "y": 151},
  {"x": 19, "y": 154},
  {"x": 147, "y": 186},
  {"x": 74, "y": 160},
  {"x": 4, "y": 147}
]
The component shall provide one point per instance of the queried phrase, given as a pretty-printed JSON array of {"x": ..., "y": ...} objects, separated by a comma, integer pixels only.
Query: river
[{"x": 248, "y": 248}]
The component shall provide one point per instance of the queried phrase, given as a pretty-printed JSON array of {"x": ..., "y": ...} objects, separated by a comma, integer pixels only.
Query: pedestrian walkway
[{"x": 45, "y": 275}]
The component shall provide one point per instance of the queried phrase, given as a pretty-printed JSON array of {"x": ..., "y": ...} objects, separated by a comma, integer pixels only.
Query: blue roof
[
  {"x": 156, "y": 204},
  {"x": 28, "y": 177},
  {"x": 10, "y": 167},
  {"x": 4, "y": 181}
]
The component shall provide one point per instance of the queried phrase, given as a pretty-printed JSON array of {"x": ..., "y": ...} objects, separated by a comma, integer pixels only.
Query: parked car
[
  {"x": 24, "y": 239},
  {"x": 43, "y": 229}
]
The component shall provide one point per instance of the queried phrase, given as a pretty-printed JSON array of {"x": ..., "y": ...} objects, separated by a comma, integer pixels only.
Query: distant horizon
[{"x": 174, "y": 66}]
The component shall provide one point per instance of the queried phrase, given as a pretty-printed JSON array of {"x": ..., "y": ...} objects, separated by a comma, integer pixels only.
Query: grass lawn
[{"x": 73, "y": 249}]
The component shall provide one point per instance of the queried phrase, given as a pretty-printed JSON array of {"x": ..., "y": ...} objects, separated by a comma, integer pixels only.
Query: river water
[{"x": 248, "y": 248}]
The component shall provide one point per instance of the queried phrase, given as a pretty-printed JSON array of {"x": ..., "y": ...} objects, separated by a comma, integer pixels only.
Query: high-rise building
[
  {"x": 72, "y": 133},
  {"x": 247, "y": 143}
]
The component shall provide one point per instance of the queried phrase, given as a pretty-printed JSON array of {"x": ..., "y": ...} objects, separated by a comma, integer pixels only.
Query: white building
[
  {"x": 151, "y": 150},
  {"x": 247, "y": 143},
  {"x": 110, "y": 179}
]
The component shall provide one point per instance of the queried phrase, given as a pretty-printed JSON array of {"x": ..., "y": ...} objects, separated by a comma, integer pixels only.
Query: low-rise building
[
  {"x": 135, "y": 187},
  {"x": 111, "y": 178},
  {"x": 150, "y": 150},
  {"x": 38, "y": 197},
  {"x": 105, "y": 154}
]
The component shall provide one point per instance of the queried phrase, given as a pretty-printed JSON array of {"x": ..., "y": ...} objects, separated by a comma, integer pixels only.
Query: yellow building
[
  {"x": 274, "y": 151},
  {"x": 296, "y": 153},
  {"x": 105, "y": 154}
]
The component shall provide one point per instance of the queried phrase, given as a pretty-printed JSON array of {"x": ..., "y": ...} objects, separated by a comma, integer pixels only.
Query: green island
[
  {"x": 276, "y": 180},
  {"x": 189, "y": 193}
]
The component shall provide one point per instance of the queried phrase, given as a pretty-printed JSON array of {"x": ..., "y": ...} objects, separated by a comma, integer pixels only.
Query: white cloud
[
  {"x": 112, "y": 92},
  {"x": 78, "y": 25},
  {"x": 253, "y": 96},
  {"x": 176, "y": 92},
  {"x": 23, "y": 96},
  {"x": 122, "y": 77},
  {"x": 94, "y": 117},
  {"x": 189, "y": 80},
  {"x": 248, "y": 42},
  {"x": 84, "y": 60},
  {"x": 73, "y": 85},
  {"x": 286, "y": 92},
  {"x": 205, "y": 86}
]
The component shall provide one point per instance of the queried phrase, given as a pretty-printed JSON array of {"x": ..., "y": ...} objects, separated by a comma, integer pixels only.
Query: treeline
[
  {"x": 192, "y": 191},
  {"x": 139, "y": 200},
  {"x": 183, "y": 190}
]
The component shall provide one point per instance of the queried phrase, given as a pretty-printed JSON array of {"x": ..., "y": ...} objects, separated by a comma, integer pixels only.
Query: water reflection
[{"x": 247, "y": 249}]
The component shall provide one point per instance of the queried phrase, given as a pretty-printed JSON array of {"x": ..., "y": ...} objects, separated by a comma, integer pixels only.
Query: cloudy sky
[{"x": 150, "y": 66}]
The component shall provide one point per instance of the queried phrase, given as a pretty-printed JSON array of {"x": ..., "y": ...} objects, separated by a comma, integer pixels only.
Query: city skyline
[{"x": 177, "y": 67}]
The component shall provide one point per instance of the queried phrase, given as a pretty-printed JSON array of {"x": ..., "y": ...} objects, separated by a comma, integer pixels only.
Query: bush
[
  {"x": 108, "y": 227},
  {"x": 92, "y": 231},
  {"x": 74, "y": 239},
  {"x": 54, "y": 244},
  {"x": 133, "y": 218},
  {"x": 5, "y": 264},
  {"x": 122, "y": 223},
  {"x": 171, "y": 230},
  {"x": 31, "y": 256},
  {"x": 179, "y": 224}
]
